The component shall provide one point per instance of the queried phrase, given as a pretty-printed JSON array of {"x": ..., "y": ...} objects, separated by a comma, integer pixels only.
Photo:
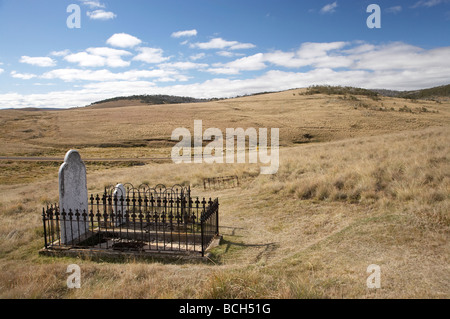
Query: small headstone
[
  {"x": 73, "y": 196},
  {"x": 119, "y": 203}
]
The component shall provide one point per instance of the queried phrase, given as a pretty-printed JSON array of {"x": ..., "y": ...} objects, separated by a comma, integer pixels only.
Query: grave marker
[
  {"x": 73, "y": 196},
  {"x": 120, "y": 203}
]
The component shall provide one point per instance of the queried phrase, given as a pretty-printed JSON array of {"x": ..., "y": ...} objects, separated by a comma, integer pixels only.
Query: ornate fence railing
[{"x": 135, "y": 219}]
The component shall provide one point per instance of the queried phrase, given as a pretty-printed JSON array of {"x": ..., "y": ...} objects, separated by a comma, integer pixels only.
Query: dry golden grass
[
  {"x": 364, "y": 195},
  {"x": 101, "y": 131}
]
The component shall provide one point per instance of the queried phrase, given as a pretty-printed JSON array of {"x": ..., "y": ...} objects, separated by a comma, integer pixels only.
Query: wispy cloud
[
  {"x": 329, "y": 8},
  {"x": 98, "y": 57},
  {"x": 93, "y": 4},
  {"x": 183, "y": 65},
  {"x": 250, "y": 63},
  {"x": 150, "y": 55},
  {"x": 23, "y": 76},
  {"x": 197, "y": 56},
  {"x": 60, "y": 53},
  {"x": 428, "y": 3},
  {"x": 219, "y": 43},
  {"x": 186, "y": 33},
  {"x": 101, "y": 15},
  {"x": 104, "y": 75},
  {"x": 38, "y": 61},
  {"x": 394, "y": 9}
]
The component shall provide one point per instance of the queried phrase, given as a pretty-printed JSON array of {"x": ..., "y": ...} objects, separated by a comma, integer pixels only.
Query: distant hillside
[
  {"x": 435, "y": 92},
  {"x": 439, "y": 91},
  {"x": 431, "y": 93},
  {"x": 152, "y": 99},
  {"x": 34, "y": 109},
  {"x": 339, "y": 90}
]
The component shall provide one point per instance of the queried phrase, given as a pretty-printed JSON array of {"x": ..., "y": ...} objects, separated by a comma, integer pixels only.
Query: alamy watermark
[
  {"x": 74, "y": 19},
  {"x": 374, "y": 20},
  {"x": 374, "y": 279},
  {"x": 213, "y": 152},
  {"x": 74, "y": 279}
]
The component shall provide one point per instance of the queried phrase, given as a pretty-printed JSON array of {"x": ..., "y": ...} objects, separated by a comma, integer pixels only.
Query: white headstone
[
  {"x": 73, "y": 196},
  {"x": 121, "y": 205}
]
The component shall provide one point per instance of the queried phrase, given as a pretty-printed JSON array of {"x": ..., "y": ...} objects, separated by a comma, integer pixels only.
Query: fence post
[
  {"x": 45, "y": 229},
  {"x": 189, "y": 201},
  {"x": 217, "y": 217},
  {"x": 202, "y": 234}
]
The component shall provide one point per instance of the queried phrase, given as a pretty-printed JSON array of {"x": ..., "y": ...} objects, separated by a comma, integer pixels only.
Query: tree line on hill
[
  {"x": 440, "y": 91},
  {"x": 155, "y": 99}
]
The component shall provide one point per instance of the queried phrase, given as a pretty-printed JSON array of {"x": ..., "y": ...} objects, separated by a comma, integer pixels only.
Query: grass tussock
[{"x": 381, "y": 170}]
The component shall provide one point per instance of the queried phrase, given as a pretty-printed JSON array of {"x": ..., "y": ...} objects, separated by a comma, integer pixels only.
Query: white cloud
[
  {"x": 249, "y": 63},
  {"x": 314, "y": 50},
  {"x": 98, "y": 57},
  {"x": 228, "y": 54},
  {"x": 38, "y": 61},
  {"x": 123, "y": 40},
  {"x": 320, "y": 55},
  {"x": 392, "y": 66},
  {"x": 329, "y": 8},
  {"x": 70, "y": 75},
  {"x": 361, "y": 48},
  {"x": 219, "y": 43},
  {"x": 60, "y": 53},
  {"x": 107, "y": 52},
  {"x": 85, "y": 59},
  {"x": 183, "y": 65},
  {"x": 113, "y": 56},
  {"x": 285, "y": 59},
  {"x": 1, "y": 71},
  {"x": 400, "y": 57},
  {"x": 101, "y": 15},
  {"x": 23, "y": 76},
  {"x": 198, "y": 56},
  {"x": 394, "y": 9},
  {"x": 428, "y": 3},
  {"x": 223, "y": 70},
  {"x": 93, "y": 4},
  {"x": 150, "y": 55},
  {"x": 186, "y": 33}
]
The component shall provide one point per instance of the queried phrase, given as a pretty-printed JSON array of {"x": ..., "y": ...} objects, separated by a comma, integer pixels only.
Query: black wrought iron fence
[{"x": 135, "y": 219}]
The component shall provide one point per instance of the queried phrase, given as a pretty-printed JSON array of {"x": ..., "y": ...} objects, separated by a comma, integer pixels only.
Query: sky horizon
[{"x": 214, "y": 48}]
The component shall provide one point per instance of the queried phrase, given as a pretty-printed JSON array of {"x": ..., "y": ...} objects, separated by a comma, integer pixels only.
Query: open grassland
[
  {"x": 145, "y": 130},
  {"x": 370, "y": 187}
]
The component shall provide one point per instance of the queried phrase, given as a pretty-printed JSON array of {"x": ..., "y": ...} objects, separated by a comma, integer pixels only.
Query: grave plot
[
  {"x": 220, "y": 182},
  {"x": 127, "y": 220}
]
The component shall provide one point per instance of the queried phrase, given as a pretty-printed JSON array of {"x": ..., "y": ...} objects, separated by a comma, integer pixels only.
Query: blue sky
[{"x": 214, "y": 48}]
